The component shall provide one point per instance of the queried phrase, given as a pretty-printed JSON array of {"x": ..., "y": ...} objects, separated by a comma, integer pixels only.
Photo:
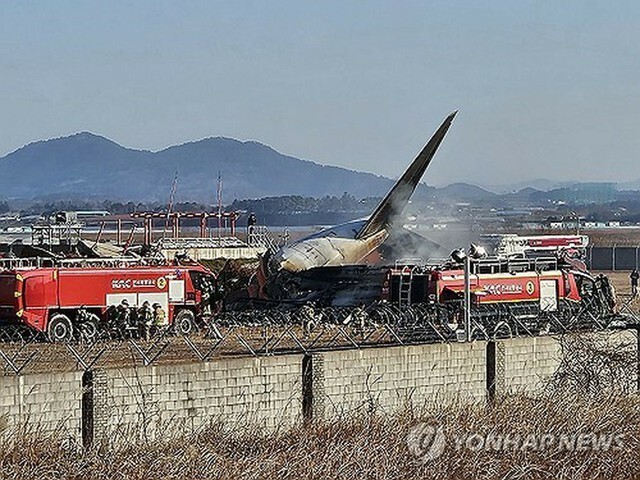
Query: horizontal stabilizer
[{"x": 399, "y": 195}]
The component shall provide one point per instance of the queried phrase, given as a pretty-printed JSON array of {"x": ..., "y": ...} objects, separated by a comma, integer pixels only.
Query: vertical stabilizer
[{"x": 399, "y": 195}]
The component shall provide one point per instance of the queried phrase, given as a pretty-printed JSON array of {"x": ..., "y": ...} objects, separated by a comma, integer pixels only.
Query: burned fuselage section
[{"x": 336, "y": 286}]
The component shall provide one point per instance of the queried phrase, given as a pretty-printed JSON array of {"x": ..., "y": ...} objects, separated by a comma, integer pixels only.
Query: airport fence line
[
  {"x": 304, "y": 330},
  {"x": 613, "y": 258}
]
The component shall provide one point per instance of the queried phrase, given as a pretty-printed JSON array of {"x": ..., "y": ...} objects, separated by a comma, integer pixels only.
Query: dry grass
[
  {"x": 372, "y": 447},
  {"x": 592, "y": 393}
]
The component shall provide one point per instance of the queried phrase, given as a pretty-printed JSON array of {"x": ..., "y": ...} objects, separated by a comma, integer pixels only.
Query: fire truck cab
[{"x": 56, "y": 299}]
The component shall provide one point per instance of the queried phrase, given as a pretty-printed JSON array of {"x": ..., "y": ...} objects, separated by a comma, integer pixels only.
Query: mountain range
[{"x": 85, "y": 165}]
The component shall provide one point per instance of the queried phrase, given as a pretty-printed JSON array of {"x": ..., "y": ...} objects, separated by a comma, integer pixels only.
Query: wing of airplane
[{"x": 399, "y": 195}]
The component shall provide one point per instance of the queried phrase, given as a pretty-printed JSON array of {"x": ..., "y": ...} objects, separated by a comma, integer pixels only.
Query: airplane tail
[{"x": 399, "y": 195}]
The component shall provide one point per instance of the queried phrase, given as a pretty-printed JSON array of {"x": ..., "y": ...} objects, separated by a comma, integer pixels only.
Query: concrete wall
[
  {"x": 386, "y": 379},
  {"x": 625, "y": 343},
  {"x": 146, "y": 403},
  {"x": 524, "y": 364},
  {"x": 43, "y": 403},
  {"x": 215, "y": 253},
  {"x": 164, "y": 401}
]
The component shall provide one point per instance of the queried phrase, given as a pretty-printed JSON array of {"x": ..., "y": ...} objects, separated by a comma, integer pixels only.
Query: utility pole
[
  {"x": 467, "y": 295},
  {"x": 172, "y": 196},
  {"x": 219, "y": 194}
]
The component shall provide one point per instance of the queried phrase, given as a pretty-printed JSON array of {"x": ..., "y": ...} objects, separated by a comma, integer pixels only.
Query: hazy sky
[{"x": 544, "y": 89}]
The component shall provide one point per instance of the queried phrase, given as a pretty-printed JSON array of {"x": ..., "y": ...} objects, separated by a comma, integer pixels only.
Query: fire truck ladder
[
  {"x": 110, "y": 262},
  {"x": 406, "y": 281},
  {"x": 114, "y": 262},
  {"x": 36, "y": 262}
]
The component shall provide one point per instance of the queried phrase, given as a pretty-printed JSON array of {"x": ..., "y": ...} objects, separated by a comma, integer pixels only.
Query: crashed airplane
[{"x": 349, "y": 243}]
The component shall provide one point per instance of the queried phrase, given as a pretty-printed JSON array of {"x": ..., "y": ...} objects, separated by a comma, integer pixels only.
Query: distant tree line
[
  {"x": 301, "y": 210},
  {"x": 291, "y": 204},
  {"x": 115, "y": 208},
  {"x": 296, "y": 204}
]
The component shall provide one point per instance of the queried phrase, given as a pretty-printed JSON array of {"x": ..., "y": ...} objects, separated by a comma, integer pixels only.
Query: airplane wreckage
[
  {"x": 329, "y": 266},
  {"x": 540, "y": 286}
]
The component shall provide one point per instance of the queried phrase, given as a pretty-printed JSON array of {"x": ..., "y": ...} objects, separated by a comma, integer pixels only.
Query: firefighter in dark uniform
[
  {"x": 124, "y": 316},
  {"x": 307, "y": 316},
  {"x": 251, "y": 225},
  {"x": 634, "y": 282},
  {"x": 360, "y": 316}
]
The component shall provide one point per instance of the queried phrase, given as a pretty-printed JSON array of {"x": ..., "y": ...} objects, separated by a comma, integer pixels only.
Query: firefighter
[
  {"x": 159, "y": 318},
  {"x": 124, "y": 316},
  {"x": 308, "y": 318},
  {"x": 357, "y": 318},
  {"x": 112, "y": 320},
  {"x": 251, "y": 225},
  {"x": 145, "y": 320},
  {"x": 634, "y": 282},
  {"x": 208, "y": 298},
  {"x": 360, "y": 316}
]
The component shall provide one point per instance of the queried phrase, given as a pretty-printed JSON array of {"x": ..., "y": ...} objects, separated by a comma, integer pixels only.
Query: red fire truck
[
  {"x": 57, "y": 299},
  {"x": 521, "y": 285}
]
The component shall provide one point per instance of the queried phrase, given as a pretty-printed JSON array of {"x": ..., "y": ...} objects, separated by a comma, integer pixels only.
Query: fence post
[
  {"x": 87, "y": 409},
  {"x": 313, "y": 392},
  {"x": 94, "y": 409},
  {"x": 307, "y": 387},
  {"x": 638, "y": 359},
  {"x": 491, "y": 371}
]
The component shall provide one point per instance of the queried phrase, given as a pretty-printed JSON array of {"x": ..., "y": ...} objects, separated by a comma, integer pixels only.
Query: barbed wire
[{"x": 284, "y": 330}]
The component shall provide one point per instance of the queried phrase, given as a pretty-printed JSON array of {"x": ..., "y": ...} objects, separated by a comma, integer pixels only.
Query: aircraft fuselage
[{"x": 331, "y": 247}]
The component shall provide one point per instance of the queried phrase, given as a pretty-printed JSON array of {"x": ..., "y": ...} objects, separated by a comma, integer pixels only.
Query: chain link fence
[{"x": 302, "y": 330}]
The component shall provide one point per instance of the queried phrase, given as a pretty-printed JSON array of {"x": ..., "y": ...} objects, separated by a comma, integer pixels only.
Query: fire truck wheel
[
  {"x": 185, "y": 322},
  {"x": 60, "y": 328},
  {"x": 89, "y": 328}
]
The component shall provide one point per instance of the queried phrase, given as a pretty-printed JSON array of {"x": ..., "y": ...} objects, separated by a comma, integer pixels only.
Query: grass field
[
  {"x": 585, "y": 424},
  {"x": 374, "y": 446}
]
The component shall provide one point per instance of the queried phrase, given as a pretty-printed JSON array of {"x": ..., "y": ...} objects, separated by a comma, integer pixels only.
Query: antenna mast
[
  {"x": 219, "y": 202},
  {"x": 172, "y": 195}
]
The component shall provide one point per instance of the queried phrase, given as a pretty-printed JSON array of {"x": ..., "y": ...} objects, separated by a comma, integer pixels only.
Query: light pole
[
  {"x": 577, "y": 217},
  {"x": 464, "y": 257},
  {"x": 467, "y": 295}
]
